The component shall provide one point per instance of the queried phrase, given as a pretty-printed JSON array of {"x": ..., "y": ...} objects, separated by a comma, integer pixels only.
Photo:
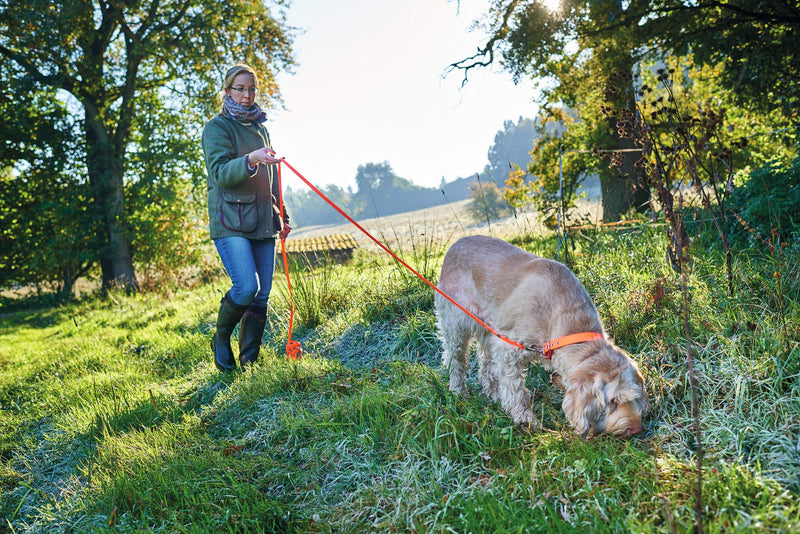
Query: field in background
[{"x": 444, "y": 224}]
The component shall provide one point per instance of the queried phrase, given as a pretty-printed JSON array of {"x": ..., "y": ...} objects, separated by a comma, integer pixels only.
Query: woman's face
[{"x": 243, "y": 89}]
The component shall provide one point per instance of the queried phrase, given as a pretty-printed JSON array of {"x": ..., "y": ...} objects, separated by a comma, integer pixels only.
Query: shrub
[
  {"x": 769, "y": 200},
  {"x": 487, "y": 201}
]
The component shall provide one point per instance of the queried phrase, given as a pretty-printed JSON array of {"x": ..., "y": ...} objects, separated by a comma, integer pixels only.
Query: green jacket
[{"x": 240, "y": 203}]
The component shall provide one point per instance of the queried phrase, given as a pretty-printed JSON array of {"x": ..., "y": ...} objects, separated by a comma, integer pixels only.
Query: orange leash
[
  {"x": 546, "y": 351},
  {"x": 392, "y": 254},
  {"x": 293, "y": 348}
]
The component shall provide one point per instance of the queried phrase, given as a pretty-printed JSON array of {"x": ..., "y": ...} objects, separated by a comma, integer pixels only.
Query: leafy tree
[
  {"x": 585, "y": 55},
  {"x": 166, "y": 202},
  {"x": 381, "y": 192},
  {"x": 759, "y": 136},
  {"x": 370, "y": 177},
  {"x": 117, "y": 65},
  {"x": 756, "y": 43},
  {"x": 541, "y": 183},
  {"x": 512, "y": 145},
  {"x": 45, "y": 228},
  {"x": 576, "y": 67},
  {"x": 308, "y": 209},
  {"x": 487, "y": 202},
  {"x": 696, "y": 88}
]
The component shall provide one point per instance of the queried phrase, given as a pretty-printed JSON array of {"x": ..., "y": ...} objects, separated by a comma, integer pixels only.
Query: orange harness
[{"x": 293, "y": 348}]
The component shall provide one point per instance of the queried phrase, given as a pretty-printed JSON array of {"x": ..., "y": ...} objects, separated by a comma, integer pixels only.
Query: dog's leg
[
  {"x": 487, "y": 372},
  {"x": 514, "y": 396},
  {"x": 455, "y": 358},
  {"x": 456, "y": 339}
]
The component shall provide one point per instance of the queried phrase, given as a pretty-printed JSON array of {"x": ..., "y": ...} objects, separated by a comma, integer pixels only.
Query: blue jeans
[{"x": 250, "y": 263}]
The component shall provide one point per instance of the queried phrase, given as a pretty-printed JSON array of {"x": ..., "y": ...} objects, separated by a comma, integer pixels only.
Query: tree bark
[
  {"x": 621, "y": 185},
  {"x": 104, "y": 166}
]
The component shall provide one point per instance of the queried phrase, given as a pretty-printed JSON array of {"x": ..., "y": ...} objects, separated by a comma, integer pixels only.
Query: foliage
[
  {"x": 487, "y": 202},
  {"x": 582, "y": 54},
  {"x": 757, "y": 44},
  {"x": 511, "y": 147},
  {"x": 134, "y": 76},
  {"x": 689, "y": 139},
  {"x": 46, "y": 230},
  {"x": 769, "y": 200},
  {"x": 309, "y": 209},
  {"x": 555, "y": 173},
  {"x": 44, "y": 237},
  {"x": 381, "y": 192},
  {"x": 584, "y": 72},
  {"x": 166, "y": 201},
  {"x": 682, "y": 148},
  {"x": 113, "y": 408}
]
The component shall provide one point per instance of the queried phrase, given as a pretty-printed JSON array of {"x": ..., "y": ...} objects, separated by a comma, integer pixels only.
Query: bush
[
  {"x": 487, "y": 202},
  {"x": 769, "y": 200}
]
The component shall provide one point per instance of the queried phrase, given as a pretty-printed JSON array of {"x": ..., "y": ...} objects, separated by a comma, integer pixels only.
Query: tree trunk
[
  {"x": 620, "y": 184},
  {"x": 105, "y": 174}
]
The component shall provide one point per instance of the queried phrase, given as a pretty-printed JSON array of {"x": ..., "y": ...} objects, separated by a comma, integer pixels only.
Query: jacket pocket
[{"x": 238, "y": 211}]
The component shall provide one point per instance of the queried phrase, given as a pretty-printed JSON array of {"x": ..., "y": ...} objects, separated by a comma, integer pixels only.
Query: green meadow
[{"x": 114, "y": 418}]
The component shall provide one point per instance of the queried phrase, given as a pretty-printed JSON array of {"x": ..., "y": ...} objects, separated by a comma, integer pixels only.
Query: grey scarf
[{"x": 240, "y": 113}]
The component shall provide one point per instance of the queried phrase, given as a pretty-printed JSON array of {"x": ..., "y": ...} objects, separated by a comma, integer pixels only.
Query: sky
[{"x": 369, "y": 88}]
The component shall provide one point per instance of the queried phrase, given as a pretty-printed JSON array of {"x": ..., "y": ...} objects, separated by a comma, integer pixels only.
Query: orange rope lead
[
  {"x": 392, "y": 254},
  {"x": 293, "y": 348}
]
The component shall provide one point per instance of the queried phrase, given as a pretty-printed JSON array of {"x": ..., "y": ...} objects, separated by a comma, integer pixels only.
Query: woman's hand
[
  {"x": 265, "y": 156},
  {"x": 285, "y": 231}
]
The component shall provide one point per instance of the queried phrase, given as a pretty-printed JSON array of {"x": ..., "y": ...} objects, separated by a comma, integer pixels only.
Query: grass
[{"x": 114, "y": 418}]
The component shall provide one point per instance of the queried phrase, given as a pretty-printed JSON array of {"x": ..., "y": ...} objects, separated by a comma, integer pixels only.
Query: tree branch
[
  {"x": 790, "y": 17},
  {"x": 59, "y": 79},
  {"x": 485, "y": 55}
]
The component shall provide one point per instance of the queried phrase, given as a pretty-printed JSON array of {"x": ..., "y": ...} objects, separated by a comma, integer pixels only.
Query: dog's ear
[
  {"x": 600, "y": 390},
  {"x": 597, "y": 406},
  {"x": 585, "y": 404},
  {"x": 608, "y": 393},
  {"x": 628, "y": 386}
]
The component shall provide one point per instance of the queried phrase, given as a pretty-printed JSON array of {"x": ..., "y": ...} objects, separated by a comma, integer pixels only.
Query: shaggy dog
[{"x": 533, "y": 301}]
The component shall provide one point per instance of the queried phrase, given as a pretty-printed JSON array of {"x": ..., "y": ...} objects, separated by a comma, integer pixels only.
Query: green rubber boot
[
  {"x": 228, "y": 317},
  {"x": 252, "y": 330}
]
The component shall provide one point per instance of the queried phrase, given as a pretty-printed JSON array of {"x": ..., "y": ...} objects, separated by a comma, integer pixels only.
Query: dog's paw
[{"x": 555, "y": 379}]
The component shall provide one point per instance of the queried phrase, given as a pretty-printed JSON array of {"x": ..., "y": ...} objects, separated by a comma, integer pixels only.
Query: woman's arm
[{"x": 224, "y": 165}]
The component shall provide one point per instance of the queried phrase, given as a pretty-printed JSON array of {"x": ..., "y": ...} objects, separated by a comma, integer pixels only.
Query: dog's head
[{"x": 606, "y": 396}]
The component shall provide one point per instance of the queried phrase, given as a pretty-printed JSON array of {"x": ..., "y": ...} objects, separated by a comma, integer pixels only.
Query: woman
[{"x": 243, "y": 214}]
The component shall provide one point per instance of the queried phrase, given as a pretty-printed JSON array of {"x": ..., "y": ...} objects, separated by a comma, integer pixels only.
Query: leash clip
[
  {"x": 548, "y": 348},
  {"x": 540, "y": 351}
]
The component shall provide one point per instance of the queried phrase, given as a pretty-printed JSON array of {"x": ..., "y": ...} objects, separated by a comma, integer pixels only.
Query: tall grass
[{"x": 114, "y": 419}]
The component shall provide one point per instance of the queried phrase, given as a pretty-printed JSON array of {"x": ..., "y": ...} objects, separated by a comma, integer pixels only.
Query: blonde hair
[{"x": 233, "y": 72}]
